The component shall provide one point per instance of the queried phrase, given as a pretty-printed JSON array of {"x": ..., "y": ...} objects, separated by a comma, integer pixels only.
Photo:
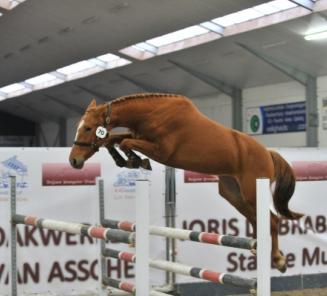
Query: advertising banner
[
  {"x": 281, "y": 118},
  {"x": 47, "y": 187},
  {"x": 304, "y": 242}
]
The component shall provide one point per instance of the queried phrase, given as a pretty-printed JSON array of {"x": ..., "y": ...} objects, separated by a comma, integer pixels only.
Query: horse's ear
[{"x": 93, "y": 104}]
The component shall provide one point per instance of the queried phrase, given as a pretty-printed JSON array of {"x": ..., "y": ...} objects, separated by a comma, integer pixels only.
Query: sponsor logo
[
  {"x": 62, "y": 174},
  {"x": 280, "y": 118},
  {"x": 310, "y": 170},
  {"x": 194, "y": 177},
  {"x": 124, "y": 184},
  {"x": 127, "y": 178},
  {"x": 13, "y": 167}
]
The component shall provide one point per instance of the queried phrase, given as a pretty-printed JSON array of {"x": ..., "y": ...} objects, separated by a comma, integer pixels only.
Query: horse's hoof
[
  {"x": 254, "y": 252},
  {"x": 121, "y": 163},
  {"x": 280, "y": 264},
  {"x": 283, "y": 269},
  {"x": 145, "y": 164},
  {"x": 133, "y": 164}
]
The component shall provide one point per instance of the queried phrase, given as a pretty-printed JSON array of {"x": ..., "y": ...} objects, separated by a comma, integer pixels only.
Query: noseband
[{"x": 94, "y": 144}]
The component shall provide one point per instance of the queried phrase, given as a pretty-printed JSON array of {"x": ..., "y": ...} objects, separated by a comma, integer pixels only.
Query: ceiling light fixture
[
  {"x": 316, "y": 36},
  {"x": 74, "y": 71}
]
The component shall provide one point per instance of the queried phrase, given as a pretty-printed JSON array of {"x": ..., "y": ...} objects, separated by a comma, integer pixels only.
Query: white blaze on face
[{"x": 78, "y": 128}]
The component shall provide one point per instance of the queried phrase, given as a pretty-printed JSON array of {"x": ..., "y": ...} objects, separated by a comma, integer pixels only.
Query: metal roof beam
[
  {"x": 233, "y": 92},
  {"x": 312, "y": 112},
  {"x": 214, "y": 82},
  {"x": 288, "y": 70},
  {"x": 144, "y": 86},
  {"x": 237, "y": 110},
  {"x": 102, "y": 97},
  {"x": 62, "y": 132},
  {"x": 307, "y": 4},
  {"x": 43, "y": 116},
  {"x": 71, "y": 107},
  {"x": 41, "y": 136}
]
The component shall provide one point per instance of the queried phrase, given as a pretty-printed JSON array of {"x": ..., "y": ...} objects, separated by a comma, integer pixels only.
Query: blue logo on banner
[
  {"x": 13, "y": 167},
  {"x": 127, "y": 178},
  {"x": 283, "y": 118}
]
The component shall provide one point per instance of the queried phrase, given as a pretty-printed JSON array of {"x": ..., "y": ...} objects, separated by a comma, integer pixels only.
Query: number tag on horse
[{"x": 101, "y": 132}]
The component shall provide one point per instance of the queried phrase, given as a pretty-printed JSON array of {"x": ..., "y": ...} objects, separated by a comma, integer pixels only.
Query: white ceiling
[{"x": 42, "y": 35}]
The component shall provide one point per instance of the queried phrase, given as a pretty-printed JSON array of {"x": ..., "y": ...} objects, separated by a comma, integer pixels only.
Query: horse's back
[{"x": 204, "y": 145}]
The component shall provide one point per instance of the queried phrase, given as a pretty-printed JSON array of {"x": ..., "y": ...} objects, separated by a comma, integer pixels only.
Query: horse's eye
[{"x": 87, "y": 129}]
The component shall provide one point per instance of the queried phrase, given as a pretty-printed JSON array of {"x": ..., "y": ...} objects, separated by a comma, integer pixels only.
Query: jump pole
[
  {"x": 178, "y": 268},
  {"x": 264, "y": 237},
  {"x": 129, "y": 287},
  {"x": 190, "y": 235},
  {"x": 76, "y": 228}
]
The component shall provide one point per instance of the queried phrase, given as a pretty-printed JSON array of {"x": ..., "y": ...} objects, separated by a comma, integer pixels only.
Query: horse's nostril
[
  {"x": 77, "y": 163},
  {"x": 73, "y": 162}
]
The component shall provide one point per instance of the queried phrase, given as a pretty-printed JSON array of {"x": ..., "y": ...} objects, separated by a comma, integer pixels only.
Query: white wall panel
[
  {"x": 217, "y": 107},
  {"x": 271, "y": 95}
]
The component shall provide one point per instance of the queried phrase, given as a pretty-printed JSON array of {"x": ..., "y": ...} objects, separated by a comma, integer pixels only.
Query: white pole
[
  {"x": 142, "y": 285},
  {"x": 263, "y": 237},
  {"x": 102, "y": 244}
]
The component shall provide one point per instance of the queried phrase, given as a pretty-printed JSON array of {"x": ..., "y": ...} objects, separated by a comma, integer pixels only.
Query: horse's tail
[{"x": 284, "y": 187}]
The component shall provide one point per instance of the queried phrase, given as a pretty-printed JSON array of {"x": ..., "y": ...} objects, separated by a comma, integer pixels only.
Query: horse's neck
[{"x": 129, "y": 113}]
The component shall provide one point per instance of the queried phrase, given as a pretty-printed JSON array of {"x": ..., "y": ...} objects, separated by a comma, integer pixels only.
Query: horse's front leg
[
  {"x": 133, "y": 160},
  {"x": 119, "y": 160},
  {"x": 145, "y": 147},
  {"x": 110, "y": 145}
]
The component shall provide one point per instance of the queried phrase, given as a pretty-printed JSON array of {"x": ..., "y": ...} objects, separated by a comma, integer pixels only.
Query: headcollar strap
[
  {"x": 106, "y": 122},
  {"x": 93, "y": 145}
]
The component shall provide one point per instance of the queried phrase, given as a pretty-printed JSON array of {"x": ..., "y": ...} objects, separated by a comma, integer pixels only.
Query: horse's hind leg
[
  {"x": 278, "y": 259},
  {"x": 248, "y": 188},
  {"x": 229, "y": 188},
  {"x": 233, "y": 191}
]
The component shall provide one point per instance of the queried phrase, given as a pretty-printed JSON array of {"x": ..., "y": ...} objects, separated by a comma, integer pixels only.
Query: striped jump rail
[
  {"x": 77, "y": 228},
  {"x": 126, "y": 286},
  {"x": 183, "y": 234},
  {"x": 196, "y": 272}
]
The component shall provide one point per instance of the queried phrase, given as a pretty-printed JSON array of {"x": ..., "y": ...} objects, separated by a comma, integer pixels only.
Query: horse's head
[{"x": 91, "y": 134}]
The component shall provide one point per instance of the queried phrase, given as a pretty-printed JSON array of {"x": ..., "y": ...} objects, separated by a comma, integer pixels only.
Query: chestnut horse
[{"x": 170, "y": 129}]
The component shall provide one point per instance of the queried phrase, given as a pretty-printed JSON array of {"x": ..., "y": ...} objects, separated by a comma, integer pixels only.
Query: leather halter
[{"x": 94, "y": 144}]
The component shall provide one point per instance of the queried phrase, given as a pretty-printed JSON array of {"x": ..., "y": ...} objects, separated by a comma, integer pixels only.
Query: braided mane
[{"x": 144, "y": 96}]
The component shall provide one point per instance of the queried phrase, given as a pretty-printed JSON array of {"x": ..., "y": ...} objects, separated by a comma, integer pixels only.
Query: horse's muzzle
[{"x": 77, "y": 162}]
